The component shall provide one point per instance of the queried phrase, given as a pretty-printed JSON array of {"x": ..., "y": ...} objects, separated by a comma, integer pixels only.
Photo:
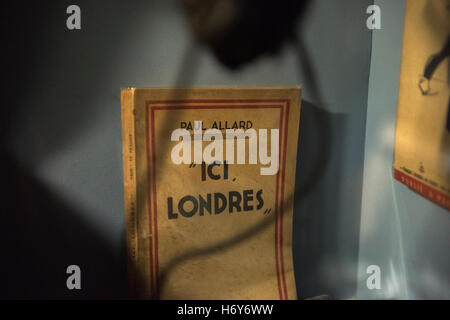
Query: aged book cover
[
  {"x": 209, "y": 183},
  {"x": 422, "y": 141}
]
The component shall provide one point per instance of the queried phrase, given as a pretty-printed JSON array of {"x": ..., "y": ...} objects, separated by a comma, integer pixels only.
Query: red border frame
[
  {"x": 423, "y": 189},
  {"x": 279, "y": 259}
]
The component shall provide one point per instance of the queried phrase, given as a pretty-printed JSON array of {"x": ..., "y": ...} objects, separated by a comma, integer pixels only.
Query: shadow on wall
[
  {"x": 40, "y": 233},
  {"x": 321, "y": 266},
  {"x": 41, "y": 236}
]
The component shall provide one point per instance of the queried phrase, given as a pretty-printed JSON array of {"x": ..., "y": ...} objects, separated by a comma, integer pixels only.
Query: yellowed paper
[
  {"x": 217, "y": 229},
  {"x": 422, "y": 143}
]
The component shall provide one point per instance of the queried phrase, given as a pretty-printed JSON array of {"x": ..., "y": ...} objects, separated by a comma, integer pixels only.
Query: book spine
[{"x": 129, "y": 177}]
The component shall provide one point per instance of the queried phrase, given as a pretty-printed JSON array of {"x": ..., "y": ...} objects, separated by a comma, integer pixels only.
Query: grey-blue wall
[{"x": 403, "y": 233}]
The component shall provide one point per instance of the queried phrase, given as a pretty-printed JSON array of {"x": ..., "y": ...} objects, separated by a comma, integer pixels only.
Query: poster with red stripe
[
  {"x": 422, "y": 141},
  {"x": 209, "y": 178}
]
